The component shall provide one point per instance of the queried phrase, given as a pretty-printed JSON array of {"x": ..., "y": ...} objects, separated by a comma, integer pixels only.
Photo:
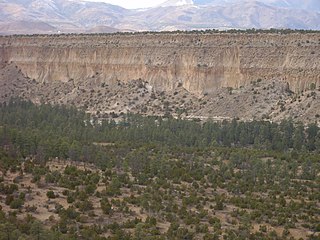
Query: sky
[{"x": 131, "y": 4}]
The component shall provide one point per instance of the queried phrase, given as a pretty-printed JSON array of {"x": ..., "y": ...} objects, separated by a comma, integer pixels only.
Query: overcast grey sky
[{"x": 132, "y": 3}]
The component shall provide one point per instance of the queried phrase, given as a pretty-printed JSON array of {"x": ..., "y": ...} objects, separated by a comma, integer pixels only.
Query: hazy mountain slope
[
  {"x": 176, "y": 3},
  {"x": 65, "y": 16},
  {"x": 26, "y": 27},
  {"x": 311, "y": 5},
  {"x": 251, "y": 14},
  {"x": 81, "y": 16}
]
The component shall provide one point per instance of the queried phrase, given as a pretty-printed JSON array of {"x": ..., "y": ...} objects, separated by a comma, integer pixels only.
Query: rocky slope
[{"x": 229, "y": 75}]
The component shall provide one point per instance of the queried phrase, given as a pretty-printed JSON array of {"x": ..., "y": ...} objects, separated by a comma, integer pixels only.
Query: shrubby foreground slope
[{"x": 154, "y": 178}]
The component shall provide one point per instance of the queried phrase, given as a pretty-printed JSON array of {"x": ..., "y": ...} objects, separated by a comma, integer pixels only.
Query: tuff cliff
[{"x": 200, "y": 63}]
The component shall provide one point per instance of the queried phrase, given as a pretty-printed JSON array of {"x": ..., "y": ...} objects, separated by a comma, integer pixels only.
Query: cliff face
[{"x": 200, "y": 63}]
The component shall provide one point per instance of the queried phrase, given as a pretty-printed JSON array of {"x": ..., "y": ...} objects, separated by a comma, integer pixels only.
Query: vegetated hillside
[
  {"x": 191, "y": 75},
  {"x": 55, "y": 16},
  {"x": 154, "y": 178}
]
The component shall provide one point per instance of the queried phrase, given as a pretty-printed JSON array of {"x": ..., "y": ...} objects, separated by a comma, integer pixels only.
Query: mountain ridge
[
  {"x": 31, "y": 16},
  {"x": 312, "y": 5}
]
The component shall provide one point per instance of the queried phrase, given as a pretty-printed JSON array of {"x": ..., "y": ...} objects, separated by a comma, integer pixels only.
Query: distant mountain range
[
  {"x": 65, "y": 16},
  {"x": 311, "y": 5}
]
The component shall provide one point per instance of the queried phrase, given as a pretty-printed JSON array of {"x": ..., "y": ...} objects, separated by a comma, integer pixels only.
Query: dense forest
[
  {"x": 59, "y": 131},
  {"x": 156, "y": 177}
]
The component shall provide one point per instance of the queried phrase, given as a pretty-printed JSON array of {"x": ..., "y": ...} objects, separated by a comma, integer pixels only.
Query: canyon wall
[{"x": 198, "y": 62}]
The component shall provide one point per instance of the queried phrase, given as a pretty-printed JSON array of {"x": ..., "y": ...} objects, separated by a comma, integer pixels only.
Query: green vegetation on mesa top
[
  {"x": 230, "y": 180},
  {"x": 206, "y": 31}
]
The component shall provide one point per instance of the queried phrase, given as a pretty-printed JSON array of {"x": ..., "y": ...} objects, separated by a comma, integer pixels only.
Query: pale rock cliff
[{"x": 200, "y": 63}]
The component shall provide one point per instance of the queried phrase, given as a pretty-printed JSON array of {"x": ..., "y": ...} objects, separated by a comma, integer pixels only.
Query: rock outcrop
[{"x": 200, "y": 63}]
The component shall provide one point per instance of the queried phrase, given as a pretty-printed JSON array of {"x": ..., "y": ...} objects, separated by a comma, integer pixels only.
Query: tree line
[{"x": 59, "y": 131}]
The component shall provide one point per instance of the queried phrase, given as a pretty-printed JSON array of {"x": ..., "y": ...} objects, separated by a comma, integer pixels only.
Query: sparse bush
[
  {"x": 51, "y": 194},
  {"x": 16, "y": 203}
]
